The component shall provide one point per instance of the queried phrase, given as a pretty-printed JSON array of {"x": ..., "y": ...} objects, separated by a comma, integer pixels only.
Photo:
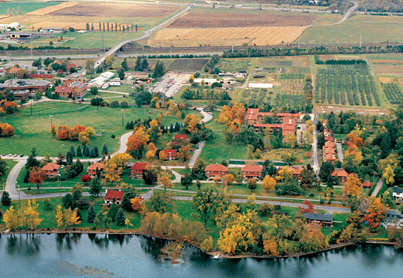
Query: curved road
[
  {"x": 346, "y": 15},
  {"x": 146, "y": 35}
]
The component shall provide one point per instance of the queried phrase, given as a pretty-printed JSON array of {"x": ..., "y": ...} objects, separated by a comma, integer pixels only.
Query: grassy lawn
[
  {"x": 94, "y": 39},
  {"x": 10, "y": 164},
  {"x": 33, "y": 131},
  {"x": 276, "y": 154}
]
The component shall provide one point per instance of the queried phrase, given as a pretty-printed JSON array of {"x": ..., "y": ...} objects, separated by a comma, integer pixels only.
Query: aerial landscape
[{"x": 228, "y": 138}]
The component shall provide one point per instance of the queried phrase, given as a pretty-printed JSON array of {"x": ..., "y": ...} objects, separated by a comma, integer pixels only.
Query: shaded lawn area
[
  {"x": 218, "y": 150},
  {"x": 33, "y": 131},
  {"x": 277, "y": 154}
]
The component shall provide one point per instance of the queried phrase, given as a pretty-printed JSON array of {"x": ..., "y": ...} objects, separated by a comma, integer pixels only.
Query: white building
[
  {"x": 397, "y": 193},
  {"x": 15, "y": 25},
  {"x": 260, "y": 85},
  {"x": 101, "y": 80},
  {"x": 207, "y": 81}
]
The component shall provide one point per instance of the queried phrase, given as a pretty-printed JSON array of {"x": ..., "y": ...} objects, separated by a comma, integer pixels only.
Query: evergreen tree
[
  {"x": 120, "y": 218},
  {"x": 91, "y": 214},
  {"x": 86, "y": 151},
  {"x": 79, "y": 153},
  {"x": 5, "y": 199},
  {"x": 105, "y": 150},
  {"x": 159, "y": 70},
  {"x": 96, "y": 187},
  {"x": 32, "y": 162},
  {"x": 124, "y": 65},
  {"x": 171, "y": 128},
  {"x": 138, "y": 65},
  {"x": 144, "y": 65},
  {"x": 113, "y": 211},
  {"x": 69, "y": 158},
  {"x": 67, "y": 201},
  {"x": 72, "y": 151},
  {"x": 96, "y": 151},
  {"x": 92, "y": 153}
]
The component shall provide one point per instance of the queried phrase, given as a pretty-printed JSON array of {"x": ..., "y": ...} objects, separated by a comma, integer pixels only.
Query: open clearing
[
  {"x": 187, "y": 37},
  {"x": 208, "y": 20},
  {"x": 117, "y": 10}
]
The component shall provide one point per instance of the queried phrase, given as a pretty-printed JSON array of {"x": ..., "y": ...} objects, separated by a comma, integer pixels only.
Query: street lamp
[
  {"x": 123, "y": 115},
  {"x": 51, "y": 120}
]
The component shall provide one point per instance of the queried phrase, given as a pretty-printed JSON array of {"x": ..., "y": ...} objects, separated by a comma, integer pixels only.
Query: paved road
[
  {"x": 113, "y": 92},
  {"x": 315, "y": 153},
  {"x": 146, "y": 35},
  {"x": 377, "y": 188},
  {"x": 346, "y": 15},
  {"x": 340, "y": 152},
  {"x": 329, "y": 209}
]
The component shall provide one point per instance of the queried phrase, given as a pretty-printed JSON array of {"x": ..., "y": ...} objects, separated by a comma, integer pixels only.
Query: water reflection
[{"x": 23, "y": 244}]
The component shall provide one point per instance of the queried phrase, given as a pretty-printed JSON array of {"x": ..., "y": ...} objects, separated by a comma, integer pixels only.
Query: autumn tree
[
  {"x": 184, "y": 153},
  {"x": 269, "y": 183},
  {"x": 374, "y": 214},
  {"x": 112, "y": 172},
  {"x": 59, "y": 216},
  {"x": 36, "y": 176},
  {"x": 164, "y": 179},
  {"x": 353, "y": 186},
  {"x": 137, "y": 204}
]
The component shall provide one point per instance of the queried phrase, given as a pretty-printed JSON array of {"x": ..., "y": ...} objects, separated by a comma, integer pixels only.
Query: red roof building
[
  {"x": 367, "y": 184},
  {"x": 180, "y": 137},
  {"x": 340, "y": 174},
  {"x": 113, "y": 196},
  {"x": 92, "y": 169},
  {"x": 137, "y": 169},
  {"x": 40, "y": 76},
  {"x": 288, "y": 127},
  {"x": 71, "y": 89},
  {"x": 252, "y": 171},
  {"x": 51, "y": 169},
  {"x": 215, "y": 170},
  {"x": 169, "y": 154},
  {"x": 297, "y": 170}
]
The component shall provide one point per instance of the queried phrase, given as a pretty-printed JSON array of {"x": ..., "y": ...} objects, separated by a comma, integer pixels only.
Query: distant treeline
[
  {"x": 12, "y": 47},
  {"x": 339, "y": 62},
  {"x": 258, "y": 52}
]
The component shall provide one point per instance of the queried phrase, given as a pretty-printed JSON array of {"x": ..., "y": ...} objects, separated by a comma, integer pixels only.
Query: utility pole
[
  {"x": 360, "y": 40},
  {"x": 299, "y": 42},
  {"x": 32, "y": 103},
  {"x": 51, "y": 120},
  {"x": 123, "y": 114}
]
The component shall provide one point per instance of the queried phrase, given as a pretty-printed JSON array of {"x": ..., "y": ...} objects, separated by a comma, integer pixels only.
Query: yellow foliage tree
[
  {"x": 59, "y": 216},
  {"x": 285, "y": 173},
  {"x": 121, "y": 159},
  {"x": 353, "y": 186},
  {"x": 31, "y": 215},
  {"x": 12, "y": 219},
  {"x": 229, "y": 178},
  {"x": 112, "y": 172},
  {"x": 165, "y": 180},
  {"x": 71, "y": 217},
  {"x": 269, "y": 183},
  {"x": 388, "y": 174}
]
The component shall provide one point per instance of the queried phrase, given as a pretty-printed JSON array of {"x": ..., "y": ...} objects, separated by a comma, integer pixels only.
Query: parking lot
[{"x": 170, "y": 84}]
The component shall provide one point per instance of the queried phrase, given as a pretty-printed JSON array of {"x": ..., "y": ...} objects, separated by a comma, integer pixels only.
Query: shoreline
[{"x": 216, "y": 254}]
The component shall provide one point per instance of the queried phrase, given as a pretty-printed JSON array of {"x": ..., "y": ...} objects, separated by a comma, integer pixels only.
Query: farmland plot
[
  {"x": 392, "y": 92},
  {"x": 346, "y": 85},
  {"x": 188, "y": 64}
]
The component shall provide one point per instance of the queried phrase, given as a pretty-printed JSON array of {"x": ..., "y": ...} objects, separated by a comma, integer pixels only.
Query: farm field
[
  {"x": 113, "y": 10},
  {"x": 351, "y": 85},
  {"x": 191, "y": 64},
  {"x": 35, "y": 129},
  {"x": 373, "y": 29},
  {"x": 393, "y": 92},
  {"x": 195, "y": 37},
  {"x": 25, "y": 7},
  {"x": 203, "y": 19}
]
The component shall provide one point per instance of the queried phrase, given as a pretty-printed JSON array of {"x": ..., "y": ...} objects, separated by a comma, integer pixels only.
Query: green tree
[
  {"x": 159, "y": 70},
  {"x": 94, "y": 91},
  {"x": 124, "y": 65},
  {"x": 32, "y": 161},
  {"x": 120, "y": 218},
  {"x": 160, "y": 202},
  {"x": 91, "y": 214},
  {"x": 96, "y": 187},
  {"x": 113, "y": 211},
  {"x": 67, "y": 201},
  {"x": 5, "y": 199},
  {"x": 205, "y": 203}
]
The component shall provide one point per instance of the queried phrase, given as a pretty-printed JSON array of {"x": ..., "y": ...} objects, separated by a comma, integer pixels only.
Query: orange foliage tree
[
  {"x": 374, "y": 214},
  {"x": 353, "y": 186},
  {"x": 137, "y": 140},
  {"x": 137, "y": 203},
  {"x": 36, "y": 176},
  {"x": 6, "y": 130}
]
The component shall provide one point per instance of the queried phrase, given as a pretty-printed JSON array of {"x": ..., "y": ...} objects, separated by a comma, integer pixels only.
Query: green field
[
  {"x": 94, "y": 39},
  {"x": 33, "y": 131},
  {"x": 373, "y": 29},
  {"x": 26, "y": 7}
]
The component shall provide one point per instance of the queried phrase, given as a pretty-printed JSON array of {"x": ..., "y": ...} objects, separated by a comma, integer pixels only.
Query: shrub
[
  {"x": 86, "y": 178},
  {"x": 114, "y": 104}
]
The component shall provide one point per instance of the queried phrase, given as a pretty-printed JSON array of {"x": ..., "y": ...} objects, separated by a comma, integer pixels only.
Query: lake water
[{"x": 131, "y": 256}]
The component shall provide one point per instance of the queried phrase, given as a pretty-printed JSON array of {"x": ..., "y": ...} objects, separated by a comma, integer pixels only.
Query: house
[
  {"x": 180, "y": 137},
  {"x": 397, "y": 193},
  {"x": 71, "y": 89},
  {"x": 367, "y": 184},
  {"x": 169, "y": 154},
  {"x": 340, "y": 174},
  {"x": 113, "y": 196},
  {"x": 323, "y": 219},
  {"x": 297, "y": 170},
  {"x": 51, "y": 170},
  {"x": 137, "y": 169},
  {"x": 215, "y": 170},
  {"x": 22, "y": 94},
  {"x": 92, "y": 169},
  {"x": 393, "y": 218},
  {"x": 252, "y": 171}
]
